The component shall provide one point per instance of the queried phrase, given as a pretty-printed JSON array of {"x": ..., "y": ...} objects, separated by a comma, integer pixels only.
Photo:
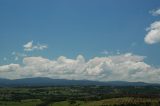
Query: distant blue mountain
[{"x": 43, "y": 81}]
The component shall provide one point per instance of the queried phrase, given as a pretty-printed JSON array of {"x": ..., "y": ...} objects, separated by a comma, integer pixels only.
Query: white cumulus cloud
[
  {"x": 126, "y": 67},
  {"x": 153, "y": 35},
  {"x": 30, "y": 46},
  {"x": 9, "y": 68}
]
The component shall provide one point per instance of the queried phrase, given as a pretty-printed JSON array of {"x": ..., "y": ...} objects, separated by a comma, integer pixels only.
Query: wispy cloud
[
  {"x": 30, "y": 46},
  {"x": 18, "y": 55},
  {"x": 105, "y": 52},
  {"x": 5, "y": 59},
  {"x": 155, "y": 12},
  {"x": 133, "y": 44}
]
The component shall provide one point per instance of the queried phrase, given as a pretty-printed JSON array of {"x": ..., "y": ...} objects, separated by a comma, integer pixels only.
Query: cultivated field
[{"x": 80, "y": 96}]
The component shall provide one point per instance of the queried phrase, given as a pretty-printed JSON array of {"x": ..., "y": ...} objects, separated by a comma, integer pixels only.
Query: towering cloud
[{"x": 127, "y": 67}]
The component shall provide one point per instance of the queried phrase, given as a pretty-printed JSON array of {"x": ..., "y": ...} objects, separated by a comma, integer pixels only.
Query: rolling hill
[{"x": 43, "y": 81}]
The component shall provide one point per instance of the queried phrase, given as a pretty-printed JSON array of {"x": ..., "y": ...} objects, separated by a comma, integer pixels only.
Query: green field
[
  {"x": 21, "y": 103},
  {"x": 80, "y": 96}
]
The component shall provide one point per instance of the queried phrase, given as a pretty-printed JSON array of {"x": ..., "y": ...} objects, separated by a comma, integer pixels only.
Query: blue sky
[
  {"x": 70, "y": 28},
  {"x": 77, "y": 27}
]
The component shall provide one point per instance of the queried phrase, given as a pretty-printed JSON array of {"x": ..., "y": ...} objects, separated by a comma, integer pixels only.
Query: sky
[{"x": 86, "y": 39}]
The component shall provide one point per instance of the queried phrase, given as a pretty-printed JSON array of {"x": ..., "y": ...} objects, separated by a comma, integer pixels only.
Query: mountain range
[{"x": 43, "y": 81}]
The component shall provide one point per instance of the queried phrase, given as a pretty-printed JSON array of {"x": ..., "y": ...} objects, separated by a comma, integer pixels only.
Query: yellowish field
[{"x": 111, "y": 102}]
